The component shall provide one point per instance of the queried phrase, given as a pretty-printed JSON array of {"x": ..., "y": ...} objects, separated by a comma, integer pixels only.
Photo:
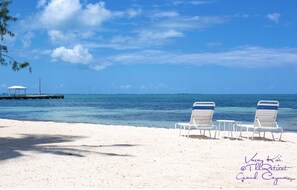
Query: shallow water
[{"x": 149, "y": 110}]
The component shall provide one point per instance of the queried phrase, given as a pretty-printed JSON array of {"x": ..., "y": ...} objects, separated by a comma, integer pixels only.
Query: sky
[{"x": 155, "y": 46}]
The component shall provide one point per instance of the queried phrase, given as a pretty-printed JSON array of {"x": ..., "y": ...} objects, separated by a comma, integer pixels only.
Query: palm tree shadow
[
  {"x": 13, "y": 147},
  {"x": 118, "y": 145}
]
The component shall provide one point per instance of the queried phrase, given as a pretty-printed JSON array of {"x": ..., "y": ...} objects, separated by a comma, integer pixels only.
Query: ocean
[{"x": 145, "y": 110}]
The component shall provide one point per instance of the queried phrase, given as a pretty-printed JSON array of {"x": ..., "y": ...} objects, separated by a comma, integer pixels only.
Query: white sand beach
[{"x": 61, "y": 155}]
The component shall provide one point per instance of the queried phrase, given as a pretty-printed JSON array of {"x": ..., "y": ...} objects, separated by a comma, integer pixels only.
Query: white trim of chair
[
  {"x": 206, "y": 123},
  {"x": 257, "y": 127}
]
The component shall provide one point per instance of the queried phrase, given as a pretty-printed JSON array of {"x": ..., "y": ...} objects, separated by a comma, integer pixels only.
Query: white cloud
[
  {"x": 88, "y": 34},
  {"x": 200, "y": 2},
  {"x": 133, "y": 12},
  {"x": 59, "y": 12},
  {"x": 27, "y": 39},
  {"x": 78, "y": 54},
  {"x": 274, "y": 17},
  {"x": 144, "y": 38},
  {"x": 100, "y": 67},
  {"x": 162, "y": 29},
  {"x": 41, "y": 52},
  {"x": 58, "y": 37},
  {"x": 249, "y": 57},
  {"x": 10, "y": 40},
  {"x": 40, "y": 3},
  {"x": 151, "y": 35},
  {"x": 129, "y": 13},
  {"x": 186, "y": 23},
  {"x": 95, "y": 14},
  {"x": 166, "y": 14},
  {"x": 121, "y": 39},
  {"x": 194, "y": 2},
  {"x": 70, "y": 22}
]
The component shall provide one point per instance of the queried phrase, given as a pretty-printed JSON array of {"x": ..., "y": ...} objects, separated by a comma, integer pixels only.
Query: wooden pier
[{"x": 26, "y": 97}]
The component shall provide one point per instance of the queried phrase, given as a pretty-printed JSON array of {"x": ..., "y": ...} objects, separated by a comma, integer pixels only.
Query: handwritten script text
[{"x": 270, "y": 168}]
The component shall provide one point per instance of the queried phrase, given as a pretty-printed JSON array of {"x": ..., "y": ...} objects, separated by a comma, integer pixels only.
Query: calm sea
[{"x": 148, "y": 110}]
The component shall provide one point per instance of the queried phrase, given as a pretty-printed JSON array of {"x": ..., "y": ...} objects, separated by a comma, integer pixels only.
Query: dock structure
[
  {"x": 26, "y": 97},
  {"x": 20, "y": 93},
  {"x": 17, "y": 90}
]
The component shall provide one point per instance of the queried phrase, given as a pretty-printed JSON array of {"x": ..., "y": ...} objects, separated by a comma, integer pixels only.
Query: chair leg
[
  {"x": 264, "y": 135},
  {"x": 233, "y": 129},
  {"x": 247, "y": 135},
  {"x": 272, "y": 135},
  {"x": 189, "y": 132},
  {"x": 175, "y": 128},
  {"x": 224, "y": 129},
  {"x": 209, "y": 133},
  {"x": 280, "y": 137},
  {"x": 260, "y": 134},
  {"x": 180, "y": 128},
  {"x": 219, "y": 132}
]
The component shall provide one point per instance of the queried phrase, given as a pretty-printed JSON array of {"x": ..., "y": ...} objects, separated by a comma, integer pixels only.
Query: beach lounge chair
[
  {"x": 265, "y": 119},
  {"x": 201, "y": 118}
]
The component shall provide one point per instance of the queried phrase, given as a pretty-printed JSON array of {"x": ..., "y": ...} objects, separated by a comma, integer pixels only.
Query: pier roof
[{"x": 17, "y": 88}]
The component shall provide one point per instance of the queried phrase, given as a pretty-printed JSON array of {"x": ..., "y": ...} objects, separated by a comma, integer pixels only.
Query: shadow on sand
[
  {"x": 13, "y": 147},
  {"x": 267, "y": 139},
  {"x": 199, "y": 137},
  {"x": 262, "y": 139}
]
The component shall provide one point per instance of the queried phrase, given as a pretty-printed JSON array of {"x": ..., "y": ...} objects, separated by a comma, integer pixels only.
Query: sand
[{"x": 66, "y": 155}]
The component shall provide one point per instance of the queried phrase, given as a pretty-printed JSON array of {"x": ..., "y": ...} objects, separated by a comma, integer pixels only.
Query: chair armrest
[
  {"x": 194, "y": 122},
  {"x": 214, "y": 125},
  {"x": 244, "y": 125},
  {"x": 259, "y": 123},
  {"x": 278, "y": 126}
]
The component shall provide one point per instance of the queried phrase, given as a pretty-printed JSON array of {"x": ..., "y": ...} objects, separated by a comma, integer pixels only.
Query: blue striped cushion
[
  {"x": 267, "y": 107},
  {"x": 203, "y": 108}
]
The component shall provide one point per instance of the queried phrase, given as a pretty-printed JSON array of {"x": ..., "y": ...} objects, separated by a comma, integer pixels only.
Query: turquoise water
[{"x": 148, "y": 110}]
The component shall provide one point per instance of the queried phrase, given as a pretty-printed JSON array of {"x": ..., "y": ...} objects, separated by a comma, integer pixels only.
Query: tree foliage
[{"x": 5, "y": 59}]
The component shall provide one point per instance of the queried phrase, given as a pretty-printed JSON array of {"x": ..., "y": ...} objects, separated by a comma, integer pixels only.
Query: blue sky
[{"x": 164, "y": 46}]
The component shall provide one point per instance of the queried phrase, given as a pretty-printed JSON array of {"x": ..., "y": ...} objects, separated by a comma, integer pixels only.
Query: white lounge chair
[
  {"x": 265, "y": 119},
  {"x": 201, "y": 118}
]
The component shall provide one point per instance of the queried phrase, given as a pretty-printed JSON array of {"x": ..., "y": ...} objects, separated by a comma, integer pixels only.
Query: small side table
[{"x": 230, "y": 125}]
